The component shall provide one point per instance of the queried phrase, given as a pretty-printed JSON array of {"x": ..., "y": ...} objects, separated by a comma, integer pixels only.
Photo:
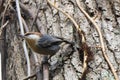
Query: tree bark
[{"x": 106, "y": 14}]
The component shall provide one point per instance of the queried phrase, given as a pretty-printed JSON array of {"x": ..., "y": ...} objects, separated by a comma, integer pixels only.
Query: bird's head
[{"x": 31, "y": 37}]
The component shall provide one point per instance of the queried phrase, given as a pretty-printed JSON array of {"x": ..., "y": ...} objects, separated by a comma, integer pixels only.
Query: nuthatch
[{"x": 43, "y": 43}]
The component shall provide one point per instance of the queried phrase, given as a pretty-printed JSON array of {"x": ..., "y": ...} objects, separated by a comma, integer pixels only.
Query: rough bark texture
[{"x": 53, "y": 22}]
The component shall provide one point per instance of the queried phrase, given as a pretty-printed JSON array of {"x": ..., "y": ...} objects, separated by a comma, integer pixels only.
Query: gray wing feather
[{"x": 47, "y": 41}]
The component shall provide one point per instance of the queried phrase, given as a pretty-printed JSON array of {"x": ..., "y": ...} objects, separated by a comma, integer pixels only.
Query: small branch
[
  {"x": 101, "y": 40},
  {"x": 3, "y": 16},
  {"x": 38, "y": 68},
  {"x": 25, "y": 25},
  {"x": 35, "y": 17},
  {"x": 45, "y": 68},
  {"x": 3, "y": 26},
  {"x": 31, "y": 76},
  {"x": 46, "y": 71},
  {"x": 19, "y": 17},
  {"x": 22, "y": 32}
]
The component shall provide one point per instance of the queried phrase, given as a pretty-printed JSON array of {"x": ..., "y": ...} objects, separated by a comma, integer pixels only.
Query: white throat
[{"x": 34, "y": 37}]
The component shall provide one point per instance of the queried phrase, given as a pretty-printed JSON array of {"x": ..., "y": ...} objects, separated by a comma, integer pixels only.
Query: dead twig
[
  {"x": 101, "y": 40},
  {"x": 71, "y": 18},
  {"x": 39, "y": 73},
  {"x": 46, "y": 71},
  {"x": 8, "y": 3},
  {"x": 22, "y": 32},
  {"x": 45, "y": 68},
  {"x": 3, "y": 26},
  {"x": 35, "y": 17},
  {"x": 31, "y": 76},
  {"x": 25, "y": 25}
]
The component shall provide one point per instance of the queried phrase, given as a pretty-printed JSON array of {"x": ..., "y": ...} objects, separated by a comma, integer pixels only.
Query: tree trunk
[{"x": 106, "y": 14}]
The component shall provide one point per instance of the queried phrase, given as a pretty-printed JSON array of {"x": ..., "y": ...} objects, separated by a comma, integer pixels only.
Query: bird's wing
[{"x": 47, "y": 41}]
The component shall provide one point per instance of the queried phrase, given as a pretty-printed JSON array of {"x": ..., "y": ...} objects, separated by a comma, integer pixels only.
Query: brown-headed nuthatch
[{"x": 43, "y": 43}]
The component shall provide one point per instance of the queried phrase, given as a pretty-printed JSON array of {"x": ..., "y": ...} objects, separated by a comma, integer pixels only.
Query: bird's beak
[{"x": 21, "y": 36}]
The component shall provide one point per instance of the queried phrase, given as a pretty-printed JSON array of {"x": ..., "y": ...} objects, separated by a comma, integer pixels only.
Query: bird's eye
[{"x": 26, "y": 34}]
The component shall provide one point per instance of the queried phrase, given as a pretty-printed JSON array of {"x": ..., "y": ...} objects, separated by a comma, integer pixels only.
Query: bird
[{"x": 43, "y": 43}]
